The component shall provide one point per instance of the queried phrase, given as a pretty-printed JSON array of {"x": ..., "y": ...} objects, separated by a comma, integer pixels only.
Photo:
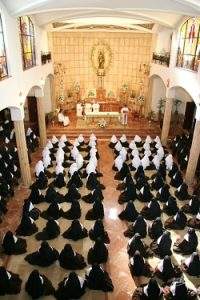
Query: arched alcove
[
  {"x": 49, "y": 98},
  {"x": 157, "y": 91}
]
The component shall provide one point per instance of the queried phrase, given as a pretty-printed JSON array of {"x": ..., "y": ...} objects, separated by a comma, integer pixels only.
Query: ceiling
[{"x": 136, "y": 15}]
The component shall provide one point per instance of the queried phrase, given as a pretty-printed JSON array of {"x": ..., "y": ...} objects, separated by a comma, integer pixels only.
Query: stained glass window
[
  {"x": 189, "y": 45},
  {"x": 3, "y": 59},
  {"x": 27, "y": 42}
]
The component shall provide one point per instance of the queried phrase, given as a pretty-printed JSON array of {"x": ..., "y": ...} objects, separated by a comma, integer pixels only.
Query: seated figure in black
[
  {"x": 98, "y": 279},
  {"x": 42, "y": 181},
  {"x": 74, "y": 212},
  {"x": 13, "y": 245},
  {"x": 177, "y": 222},
  {"x": 27, "y": 226},
  {"x": 129, "y": 193},
  {"x": 138, "y": 266},
  {"x": 162, "y": 246},
  {"x": 191, "y": 265},
  {"x": 72, "y": 194},
  {"x": 30, "y": 210},
  {"x": 157, "y": 182},
  {"x": 156, "y": 229},
  {"x": 166, "y": 270},
  {"x": 192, "y": 207},
  {"x": 96, "y": 212},
  {"x": 93, "y": 195},
  {"x": 129, "y": 213},
  {"x": 176, "y": 180},
  {"x": 178, "y": 290},
  {"x": 98, "y": 253},
  {"x": 53, "y": 211},
  {"x": 76, "y": 231},
  {"x": 71, "y": 260},
  {"x": 188, "y": 244},
  {"x": 123, "y": 172},
  {"x": 98, "y": 231},
  {"x": 151, "y": 291},
  {"x": 139, "y": 226},
  {"x": 145, "y": 194},
  {"x": 163, "y": 193},
  {"x": 36, "y": 196},
  {"x": 52, "y": 195},
  {"x": 182, "y": 192},
  {"x": 152, "y": 210},
  {"x": 93, "y": 182},
  {"x": 44, "y": 257},
  {"x": 71, "y": 287},
  {"x": 10, "y": 283},
  {"x": 195, "y": 221},
  {"x": 59, "y": 181},
  {"x": 170, "y": 207},
  {"x": 136, "y": 244},
  {"x": 76, "y": 180},
  {"x": 38, "y": 285},
  {"x": 50, "y": 231},
  {"x": 128, "y": 180},
  {"x": 173, "y": 170}
]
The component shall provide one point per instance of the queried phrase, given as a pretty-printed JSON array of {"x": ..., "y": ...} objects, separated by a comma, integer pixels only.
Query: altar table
[{"x": 103, "y": 114}]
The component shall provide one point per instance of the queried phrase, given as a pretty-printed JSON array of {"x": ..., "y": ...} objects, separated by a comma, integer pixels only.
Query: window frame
[{"x": 4, "y": 49}]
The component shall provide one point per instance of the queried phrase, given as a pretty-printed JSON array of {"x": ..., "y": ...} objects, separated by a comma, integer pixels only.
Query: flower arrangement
[
  {"x": 140, "y": 100},
  {"x": 102, "y": 123}
]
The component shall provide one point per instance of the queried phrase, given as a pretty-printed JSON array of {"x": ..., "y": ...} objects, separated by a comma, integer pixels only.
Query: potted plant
[{"x": 161, "y": 105}]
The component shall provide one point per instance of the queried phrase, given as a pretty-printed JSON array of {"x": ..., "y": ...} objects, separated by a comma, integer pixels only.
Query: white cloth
[
  {"x": 123, "y": 153},
  {"x": 74, "y": 152},
  {"x": 63, "y": 138},
  {"x": 113, "y": 139},
  {"x": 123, "y": 138},
  {"x": 118, "y": 146},
  {"x": 54, "y": 140},
  {"x": 136, "y": 162},
  {"x": 169, "y": 162},
  {"x": 132, "y": 145},
  {"x": 49, "y": 144},
  {"x": 137, "y": 138},
  {"x": 59, "y": 169},
  {"x": 90, "y": 168},
  {"x": 93, "y": 137},
  {"x": 39, "y": 167},
  {"x": 73, "y": 168},
  {"x": 148, "y": 139},
  {"x": 79, "y": 161},
  {"x": 145, "y": 162},
  {"x": 156, "y": 161},
  {"x": 160, "y": 152},
  {"x": 61, "y": 144},
  {"x": 76, "y": 143},
  {"x": 29, "y": 131},
  {"x": 46, "y": 160}
]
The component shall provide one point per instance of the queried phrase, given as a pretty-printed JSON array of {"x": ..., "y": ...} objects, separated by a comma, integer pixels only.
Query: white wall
[
  {"x": 13, "y": 90},
  {"x": 163, "y": 41},
  {"x": 158, "y": 92},
  {"x": 47, "y": 96}
]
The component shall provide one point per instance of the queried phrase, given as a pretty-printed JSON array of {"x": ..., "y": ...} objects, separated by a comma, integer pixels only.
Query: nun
[
  {"x": 170, "y": 207},
  {"x": 53, "y": 196},
  {"x": 182, "y": 192},
  {"x": 139, "y": 226},
  {"x": 53, "y": 211},
  {"x": 113, "y": 141},
  {"x": 129, "y": 213},
  {"x": 173, "y": 170},
  {"x": 76, "y": 231},
  {"x": 74, "y": 212},
  {"x": 30, "y": 210},
  {"x": 156, "y": 229},
  {"x": 178, "y": 290},
  {"x": 145, "y": 162},
  {"x": 98, "y": 253},
  {"x": 71, "y": 260},
  {"x": 163, "y": 193},
  {"x": 118, "y": 147},
  {"x": 118, "y": 162},
  {"x": 188, "y": 244},
  {"x": 152, "y": 210},
  {"x": 93, "y": 182},
  {"x": 71, "y": 287},
  {"x": 39, "y": 167},
  {"x": 169, "y": 162},
  {"x": 195, "y": 221},
  {"x": 72, "y": 193},
  {"x": 96, "y": 212},
  {"x": 138, "y": 266},
  {"x": 55, "y": 141},
  {"x": 75, "y": 178},
  {"x": 158, "y": 182},
  {"x": 145, "y": 194},
  {"x": 98, "y": 231},
  {"x": 151, "y": 291},
  {"x": 50, "y": 231},
  {"x": 59, "y": 181},
  {"x": 136, "y": 244},
  {"x": 128, "y": 180},
  {"x": 156, "y": 162},
  {"x": 38, "y": 285},
  {"x": 162, "y": 246},
  {"x": 93, "y": 196},
  {"x": 45, "y": 256},
  {"x": 98, "y": 279},
  {"x": 138, "y": 141},
  {"x": 176, "y": 180},
  {"x": 123, "y": 141},
  {"x": 27, "y": 226},
  {"x": 13, "y": 245},
  {"x": 42, "y": 181},
  {"x": 10, "y": 283},
  {"x": 135, "y": 163},
  {"x": 128, "y": 194},
  {"x": 166, "y": 270},
  {"x": 191, "y": 265},
  {"x": 177, "y": 222},
  {"x": 192, "y": 207}
]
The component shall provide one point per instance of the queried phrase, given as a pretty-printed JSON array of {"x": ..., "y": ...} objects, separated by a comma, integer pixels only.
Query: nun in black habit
[
  {"x": 191, "y": 265},
  {"x": 71, "y": 287},
  {"x": 59, "y": 181},
  {"x": 182, "y": 192},
  {"x": 173, "y": 170},
  {"x": 98, "y": 231},
  {"x": 139, "y": 226},
  {"x": 162, "y": 246},
  {"x": 144, "y": 194},
  {"x": 93, "y": 196},
  {"x": 188, "y": 244},
  {"x": 129, "y": 213},
  {"x": 152, "y": 210},
  {"x": 98, "y": 279},
  {"x": 27, "y": 226},
  {"x": 76, "y": 180},
  {"x": 96, "y": 212},
  {"x": 93, "y": 183},
  {"x": 192, "y": 207},
  {"x": 129, "y": 193},
  {"x": 10, "y": 283},
  {"x": 170, "y": 207},
  {"x": 120, "y": 175},
  {"x": 42, "y": 181},
  {"x": 52, "y": 195},
  {"x": 71, "y": 260},
  {"x": 156, "y": 229},
  {"x": 44, "y": 257},
  {"x": 53, "y": 211},
  {"x": 36, "y": 196},
  {"x": 128, "y": 180},
  {"x": 76, "y": 231},
  {"x": 178, "y": 290},
  {"x": 136, "y": 244},
  {"x": 176, "y": 180},
  {"x": 30, "y": 210},
  {"x": 38, "y": 285},
  {"x": 177, "y": 222},
  {"x": 157, "y": 182},
  {"x": 13, "y": 245},
  {"x": 195, "y": 221},
  {"x": 151, "y": 291},
  {"x": 50, "y": 231},
  {"x": 74, "y": 212},
  {"x": 163, "y": 193},
  {"x": 166, "y": 270},
  {"x": 98, "y": 253},
  {"x": 72, "y": 194},
  {"x": 138, "y": 266}
]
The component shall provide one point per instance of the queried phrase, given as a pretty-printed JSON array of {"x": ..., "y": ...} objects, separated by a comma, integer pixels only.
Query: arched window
[
  {"x": 27, "y": 42},
  {"x": 3, "y": 58},
  {"x": 189, "y": 45}
]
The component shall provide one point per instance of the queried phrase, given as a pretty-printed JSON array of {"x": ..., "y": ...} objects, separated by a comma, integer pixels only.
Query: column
[
  {"x": 194, "y": 155},
  {"x": 41, "y": 121},
  {"x": 22, "y": 152},
  {"x": 166, "y": 121}
]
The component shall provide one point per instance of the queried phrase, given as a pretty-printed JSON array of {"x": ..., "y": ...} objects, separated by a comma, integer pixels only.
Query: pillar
[
  {"x": 194, "y": 155},
  {"x": 41, "y": 121},
  {"x": 166, "y": 121},
  {"x": 52, "y": 91},
  {"x": 22, "y": 152}
]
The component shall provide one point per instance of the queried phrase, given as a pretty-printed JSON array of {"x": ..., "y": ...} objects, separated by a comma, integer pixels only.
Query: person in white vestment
[
  {"x": 124, "y": 115},
  {"x": 169, "y": 162},
  {"x": 62, "y": 118},
  {"x": 39, "y": 167}
]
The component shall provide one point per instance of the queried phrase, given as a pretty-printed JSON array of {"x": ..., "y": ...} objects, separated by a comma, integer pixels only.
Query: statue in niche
[{"x": 101, "y": 60}]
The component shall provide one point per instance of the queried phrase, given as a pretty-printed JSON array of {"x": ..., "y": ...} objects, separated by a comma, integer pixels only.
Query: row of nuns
[
  {"x": 62, "y": 155},
  {"x": 139, "y": 187}
]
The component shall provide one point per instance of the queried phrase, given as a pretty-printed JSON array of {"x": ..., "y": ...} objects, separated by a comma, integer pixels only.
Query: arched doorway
[{"x": 49, "y": 97}]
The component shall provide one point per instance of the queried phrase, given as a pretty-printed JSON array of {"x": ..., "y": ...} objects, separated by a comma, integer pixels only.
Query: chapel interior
[{"x": 99, "y": 149}]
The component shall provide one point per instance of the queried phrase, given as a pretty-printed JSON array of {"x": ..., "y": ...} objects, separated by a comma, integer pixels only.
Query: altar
[{"x": 108, "y": 116}]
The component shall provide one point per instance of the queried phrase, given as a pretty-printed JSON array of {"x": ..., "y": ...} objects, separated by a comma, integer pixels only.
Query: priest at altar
[{"x": 63, "y": 118}]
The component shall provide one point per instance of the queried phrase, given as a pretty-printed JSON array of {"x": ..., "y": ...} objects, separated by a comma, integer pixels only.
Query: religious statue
[{"x": 101, "y": 60}]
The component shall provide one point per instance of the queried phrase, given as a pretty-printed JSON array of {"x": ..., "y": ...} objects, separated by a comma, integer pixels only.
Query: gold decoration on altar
[{"x": 101, "y": 58}]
